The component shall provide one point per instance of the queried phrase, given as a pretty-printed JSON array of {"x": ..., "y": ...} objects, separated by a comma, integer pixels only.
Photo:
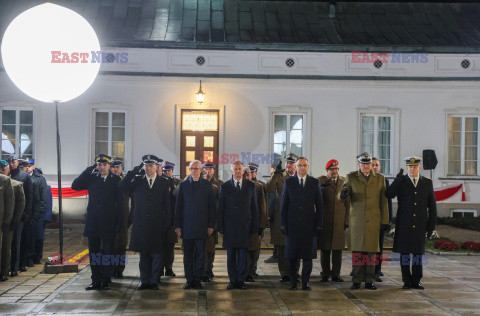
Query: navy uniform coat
[
  {"x": 25, "y": 178},
  {"x": 302, "y": 216},
  {"x": 152, "y": 211},
  {"x": 105, "y": 203},
  {"x": 416, "y": 214},
  {"x": 195, "y": 210},
  {"x": 237, "y": 214}
]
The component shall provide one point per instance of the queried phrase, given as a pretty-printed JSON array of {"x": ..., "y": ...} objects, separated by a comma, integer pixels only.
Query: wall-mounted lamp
[{"x": 200, "y": 94}]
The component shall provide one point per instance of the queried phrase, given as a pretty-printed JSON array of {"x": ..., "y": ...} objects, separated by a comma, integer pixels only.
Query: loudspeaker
[{"x": 429, "y": 159}]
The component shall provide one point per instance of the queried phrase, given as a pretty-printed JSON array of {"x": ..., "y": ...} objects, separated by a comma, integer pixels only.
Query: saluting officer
[
  {"x": 368, "y": 211},
  {"x": 171, "y": 238},
  {"x": 331, "y": 240},
  {"x": 416, "y": 217},
  {"x": 104, "y": 218},
  {"x": 212, "y": 240},
  {"x": 274, "y": 189},
  {"x": 254, "y": 250}
]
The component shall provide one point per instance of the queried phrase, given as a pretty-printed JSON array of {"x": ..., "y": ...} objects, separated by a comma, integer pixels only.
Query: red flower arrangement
[
  {"x": 471, "y": 245},
  {"x": 445, "y": 245}
]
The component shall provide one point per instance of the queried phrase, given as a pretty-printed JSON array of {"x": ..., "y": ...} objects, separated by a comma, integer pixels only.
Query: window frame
[
  {"x": 376, "y": 112},
  {"x": 112, "y": 108},
  {"x": 463, "y": 116},
  {"x": 306, "y": 128},
  {"x": 17, "y": 110}
]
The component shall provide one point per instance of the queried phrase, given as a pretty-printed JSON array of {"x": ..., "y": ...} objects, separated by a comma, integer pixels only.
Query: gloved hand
[
  {"x": 271, "y": 219},
  {"x": 399, "y": 175},
  {"x": 260, "y": 231},
  {"x": 345, "y": 227},
  {"x": 283, "y": 229},
  {"x": 429, "y": 234},
  {"x": 344, "y": 194},
  {"x": 278, "y": 168},
  {"x": 384, "y": 227},
  {"x": 137, "y": 169},
  {"x": 25, "y": 218},
  {"x": 33, "y": 221},
  {"x": 326, "y": 183},
  {"x": 91, "y": 168}
]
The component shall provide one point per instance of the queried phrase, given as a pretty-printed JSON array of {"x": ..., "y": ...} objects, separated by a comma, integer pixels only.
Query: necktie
[
  {"x": 151, "y": 180},
  {"x": 415, "y": 181},
  {"x": 301, "y": 182},
  {"x": 237, "y": 186}
]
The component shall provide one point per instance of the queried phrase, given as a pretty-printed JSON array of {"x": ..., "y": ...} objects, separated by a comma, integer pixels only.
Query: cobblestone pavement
[{"x": 452, "y": 288}]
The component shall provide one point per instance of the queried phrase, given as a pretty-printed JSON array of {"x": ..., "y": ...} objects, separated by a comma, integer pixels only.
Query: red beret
[{"x": 331, "y": 163}]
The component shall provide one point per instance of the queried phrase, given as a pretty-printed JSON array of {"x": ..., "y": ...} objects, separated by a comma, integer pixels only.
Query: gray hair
[
  {"x": 193, "y": 162},
  {"x": 236, "y": 162}
]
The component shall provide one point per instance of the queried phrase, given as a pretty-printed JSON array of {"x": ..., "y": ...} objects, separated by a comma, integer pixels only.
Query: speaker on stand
[{"x": 429, "y": 161}]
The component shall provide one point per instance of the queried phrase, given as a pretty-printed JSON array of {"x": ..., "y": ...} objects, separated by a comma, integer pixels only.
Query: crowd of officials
[
  {"x": 304, "y": 215},
  {"x": 25, "y": 210}
]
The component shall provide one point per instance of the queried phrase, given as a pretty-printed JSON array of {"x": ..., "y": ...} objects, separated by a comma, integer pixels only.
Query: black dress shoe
[
  {"x": 306, "y": 287},
  {"x": 205, "y": 279},
  {"x": 417, "y": 286},
  {"x": 13, "y": 273},
  {"x": 144, "y": 286},
  {"x": 249, "y": 278},
  {"x": 378, "y": 278},
  {"x": 241, "y": 285},
  {"x": 284, "y": 279},
  {"x": 355, "y": 286},
  {"x": 351, "y": 273},
  {"x": 199, "y": 286},
  {"x": 188, "y": 285},
  {"x": 106, "y": 285},
  {"x": 154, "y": 286},
  {"x": 406, "y": 286},
  {"x": 324, "y": 279},
  {"x": 370, "y": 286},
  {"x": 37, "y": 261},
  {"x": 231, "y": 286},
  {"x": 23, "y": 269},
  {"x": 169, "y": 272},
  {"x": 337, "y": 279},
  {"x": 3, "y": 278},
  {"x": 30, "y": 264},
  {"x": 272, "y": 259},
  {"x": 210, "y": 274},
  {"x": 293, "y": 287},
  {"x": 94, "y": 286},
  {"x": 255, "y": 275},
  {"x": 118, "y": 275},
  {"x": 381, "y": 273}
]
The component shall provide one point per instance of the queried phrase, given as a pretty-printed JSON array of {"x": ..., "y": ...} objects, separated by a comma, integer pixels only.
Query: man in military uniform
[
  {"x": 212, "y": 240},
  {"x": 7, "y": 208},
  {"x": 254, "y": 250},
  {"x": 368, "y": 211},
  {"x": 151, "y": 219},
  {"x": 274, "y": 189},
  {"x": 416, "y": 217},
  {"x": 121, "y": 239},
  {"x": 23, "y": 231},
  {"x": 376, "y": 167},
  {"x": 331, "y": 240},
  {"x": 171, "y": 239},
  {"x": 104, "y": 218}
]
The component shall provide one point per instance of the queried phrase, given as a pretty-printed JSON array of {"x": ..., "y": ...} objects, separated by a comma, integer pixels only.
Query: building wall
[{"x": 420, "y": 107}]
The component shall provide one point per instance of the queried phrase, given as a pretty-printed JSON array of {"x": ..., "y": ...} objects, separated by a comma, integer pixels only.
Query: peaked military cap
[
  {"x": 151, "y": 159},
  {"x": 168, "y": 165},
  {"x": 31, "y": 162},
  {"x": 208, "y": 164},
  {"x": 253, "y": 167},
  {"x": 12, "y": 158},
  {"x": 413, "y": 161},
  {"x": 22, "y": 163},
  {"x": 103, "y": 158},
  {"x": 117, "y": 162},
  {"x": 291, "y": 157},
  {"x": 364, "y": 158}
]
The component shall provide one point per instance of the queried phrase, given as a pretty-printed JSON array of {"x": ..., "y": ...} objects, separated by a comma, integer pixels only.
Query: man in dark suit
[
  {"x": 194, "y": 222},
  {"x": 104, "y": 218},
  {"x": 416, "y": 217},
  {"x": 376, "y": 167},
  {"x": 237, "y": 221},
  {"x": 151, "y": 218},
  {"x": 302, "y": 217}
]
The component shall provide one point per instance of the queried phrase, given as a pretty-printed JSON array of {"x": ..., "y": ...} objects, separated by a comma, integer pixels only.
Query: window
[
  {"x": 377, "y": 139},
  {"x": 17, "y": 133},
  {"x": 288, "y": 135},
  {"x": 463, "y": 145},
  {"x": 110, "y": 133}
]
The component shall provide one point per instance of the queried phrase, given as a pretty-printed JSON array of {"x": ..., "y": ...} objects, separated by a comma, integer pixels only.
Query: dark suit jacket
[
  {"x": 302, "y": 216},
  {"x": 195, "y": 209},
  {"x": 152, "y": 210},
  {"x": 416, "y": 214},
  {"x": 237, "y": 214},
  {"x": 105, "y": 204}
]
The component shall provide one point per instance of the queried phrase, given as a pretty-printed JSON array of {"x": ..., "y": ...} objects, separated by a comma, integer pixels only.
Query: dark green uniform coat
[{"x": 274, "y": 189}]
